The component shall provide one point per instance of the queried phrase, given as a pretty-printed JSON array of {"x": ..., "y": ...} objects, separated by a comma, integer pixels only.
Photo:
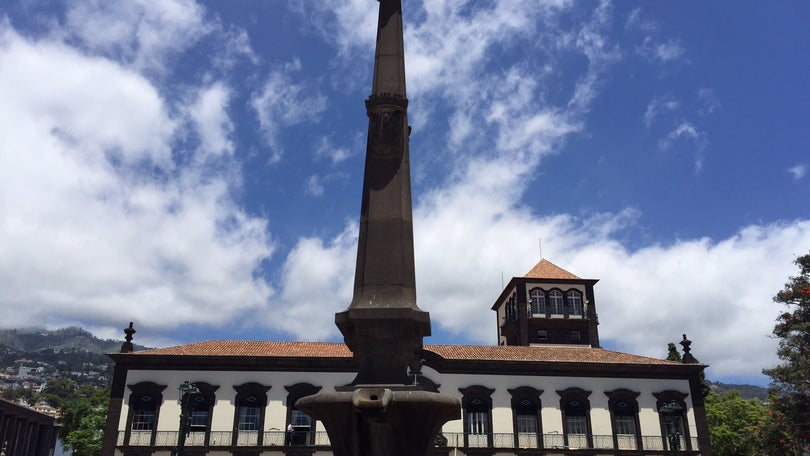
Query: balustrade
[{"x": 455, "y": 440}]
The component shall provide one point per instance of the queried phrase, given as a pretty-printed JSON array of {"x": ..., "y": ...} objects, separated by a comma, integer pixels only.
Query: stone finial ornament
[
  {"x": 127, "y": 346},
  {"x": 687, "y": 356}
]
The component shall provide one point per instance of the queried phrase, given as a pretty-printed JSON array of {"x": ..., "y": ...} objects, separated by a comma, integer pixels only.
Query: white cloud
[
  {"x": 100, "y": 223},
  {"x": 671, "y": 50},
  {"x": 663, "y": 52},
  {"x": 317, "y": 281},
  {"x": 210, "y": 115},
  {"x": 325, "y": 148},
  {"x": 470, "y": 234},
  {"x": 658, "y": 106},
  {"x": 283, "y": 103},
  {"x": 314, "y": 186},
  {"x": 141, "y": 33},
  {"x": 636, "y": 21},
  {"x": 710, "y": 101},
  {"x": 689, "y": 132},
  {"x": 798, "y": 171}
]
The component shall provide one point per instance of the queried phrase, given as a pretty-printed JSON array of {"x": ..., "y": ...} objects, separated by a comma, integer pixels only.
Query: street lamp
[
  {"x": 187, "y": 390},
  {"x": 672, "y": 408}
]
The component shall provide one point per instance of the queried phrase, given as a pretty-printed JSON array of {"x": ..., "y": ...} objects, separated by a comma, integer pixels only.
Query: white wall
[{"x": 276, "y": 411}]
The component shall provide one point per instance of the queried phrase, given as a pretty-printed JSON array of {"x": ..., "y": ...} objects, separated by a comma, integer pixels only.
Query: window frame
[
  {"x": 526, "y": 402},
  {"x": 145, "y": 399},
  {"x": 143, "y": 420},
  {"x": 573, "y": 299},
  {"x": 666, "y": 419},
  {"x": 623, "y": 405},
  {"x": 571, "y": 400},
  {"x": 295, "y": 392},
  {"x": 249, "y": 396},
  {"x": 537, "y": 301},
  {"x": 555, "y": 304},
  {"x": 476, "y": 403}
]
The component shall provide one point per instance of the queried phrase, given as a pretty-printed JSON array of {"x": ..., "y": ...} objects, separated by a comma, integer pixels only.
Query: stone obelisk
[
  {"x": 381, "y": 412},
  {"x": 383, "y": 325}
]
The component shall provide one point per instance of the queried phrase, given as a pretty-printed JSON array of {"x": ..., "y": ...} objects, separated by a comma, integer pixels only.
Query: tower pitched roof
[{"x": 547, "y": 270}]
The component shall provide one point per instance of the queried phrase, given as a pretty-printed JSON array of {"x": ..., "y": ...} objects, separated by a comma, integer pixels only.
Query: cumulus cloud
[
  {"x": 317, "y": 281},
  {"x": 104, "y": 219},
  {"x": 282, "y": 103},
  {"x": 471, "y": 236}
]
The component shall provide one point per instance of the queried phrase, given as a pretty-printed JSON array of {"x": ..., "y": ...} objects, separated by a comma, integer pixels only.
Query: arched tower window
[
  {"x": 477, "y": 404},
  {"x": 575, "y": 308},
  {"x": 537, "y": 306},
  {"x": 555, "y": 298}
]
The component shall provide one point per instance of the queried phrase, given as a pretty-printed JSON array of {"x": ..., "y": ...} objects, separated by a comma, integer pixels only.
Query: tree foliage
[
  {"x": 789, "y": 419},
  {"x": 672, "y": 352},
  {"x": 734, "y": 424},
  {"x": 59, "y": 390},
  {"x": 83, "y": 419}
]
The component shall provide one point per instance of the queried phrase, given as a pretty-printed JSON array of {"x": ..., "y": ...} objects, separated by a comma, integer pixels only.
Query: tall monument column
[
  {"x": 383, "y": 326},
  {"x": 381, "y": 412}
]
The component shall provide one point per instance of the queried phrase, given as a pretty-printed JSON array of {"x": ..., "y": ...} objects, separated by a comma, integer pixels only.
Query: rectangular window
[
  {"x": 537, "y": 305},
  {"x": 249, "y": 418},
  {"x": 300, "y": 419},
  {"x": 556, "y": 299},
  {"x": 527, "y": 424},
  {"x": 199, "y": 420},
  {"x": 575, "y": 337},
  {"x": 477, "y": 423},
  {"x": 574, "y": 304},
  {"x": 576, "y": 424},
  {"x": 625, "y": 425},
  {"x": 542, "y": 335},
  {"x": 143, "y": 420}
]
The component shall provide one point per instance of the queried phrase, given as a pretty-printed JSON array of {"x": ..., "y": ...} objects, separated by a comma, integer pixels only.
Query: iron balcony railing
[{"x": 454, "y": 440}]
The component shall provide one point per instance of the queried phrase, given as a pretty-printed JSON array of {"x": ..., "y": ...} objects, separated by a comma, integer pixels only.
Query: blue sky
[{"x": 196, "y": 167}]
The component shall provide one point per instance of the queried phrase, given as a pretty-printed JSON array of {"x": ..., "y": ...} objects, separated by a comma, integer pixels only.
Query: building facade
[
  {"x": 547, "y": 388},
  {"x": 25, "y": 431}
]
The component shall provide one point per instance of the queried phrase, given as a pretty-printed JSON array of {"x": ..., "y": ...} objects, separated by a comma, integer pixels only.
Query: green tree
[
  {"x": 789, "y": 421},
  {"x": 734, "y": 424},
  {"x": 59, "y": 390},
  {"x": 27, "y": 395},
  {"x": 673, "y": 353},
  {"x": 83, "y": 419}
]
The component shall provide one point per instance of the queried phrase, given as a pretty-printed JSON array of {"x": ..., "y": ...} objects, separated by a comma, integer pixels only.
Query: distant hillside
[
  {"x": 746, "y": 391},
  {"x": 67, "y": 352},
  {"x": 69, "y": 339}
]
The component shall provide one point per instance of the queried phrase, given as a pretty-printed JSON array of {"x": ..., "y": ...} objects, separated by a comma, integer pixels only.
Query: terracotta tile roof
[
  {"x": 548, "y": 353},
  {"x": 541, "y": 353},
  {"x": 547, "y": 270},
  {"x": 254, "y": 348}
]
